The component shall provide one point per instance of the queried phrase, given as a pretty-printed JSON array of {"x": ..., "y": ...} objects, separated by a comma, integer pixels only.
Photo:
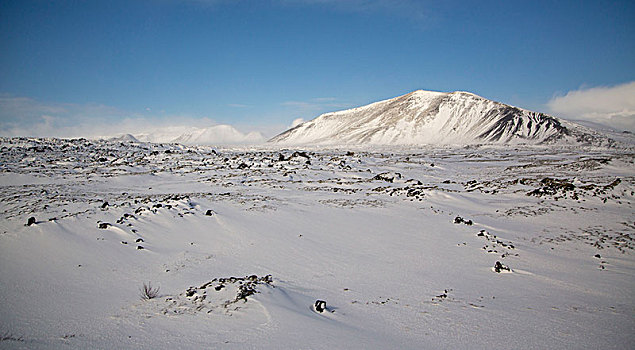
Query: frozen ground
[{"x": 374, "y": 233}]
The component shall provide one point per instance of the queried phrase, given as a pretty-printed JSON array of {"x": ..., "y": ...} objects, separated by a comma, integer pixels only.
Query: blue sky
[{"x": 261, "y": 64}]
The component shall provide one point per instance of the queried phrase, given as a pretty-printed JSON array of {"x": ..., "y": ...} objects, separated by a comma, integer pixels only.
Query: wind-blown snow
[
  {"x": 409, "y": 246},
  {"x": 427, "y": 117},
  {"x": 213, "y": 135}
]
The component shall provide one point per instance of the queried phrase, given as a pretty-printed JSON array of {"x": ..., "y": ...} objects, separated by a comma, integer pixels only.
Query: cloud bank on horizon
[
  {"x": 610, "y": 106},
  {"x": 37, "y": 119},
  {"x": 613, "y": 106}
]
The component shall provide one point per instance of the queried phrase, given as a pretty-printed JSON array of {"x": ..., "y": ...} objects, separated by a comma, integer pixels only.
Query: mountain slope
[
  {"x": 124, "y": 138},
  {"x": 213, "y": 135},
  {"x": 427, "y": 117}
]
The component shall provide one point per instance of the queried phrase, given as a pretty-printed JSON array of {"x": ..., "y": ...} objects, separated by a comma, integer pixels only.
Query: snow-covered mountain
[
  {"x": 428, "y": 117},
  {"x": 124, "y": 138},
  {"x": 213, "y": 135}
]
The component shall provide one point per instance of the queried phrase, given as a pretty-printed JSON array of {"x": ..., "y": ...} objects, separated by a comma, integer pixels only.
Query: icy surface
[
  {"x": 437, "y": 118},
  {"x": 482, "y": 247}
]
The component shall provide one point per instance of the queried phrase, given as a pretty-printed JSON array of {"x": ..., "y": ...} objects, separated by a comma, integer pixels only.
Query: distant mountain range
[
  {"x": 213, "y": 135},
  {"x": 438, "y": 118}
]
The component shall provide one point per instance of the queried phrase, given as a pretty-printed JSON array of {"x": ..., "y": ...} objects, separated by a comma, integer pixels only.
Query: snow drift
[
  {"x": 427, "y": 117},
  {"x": 410, "y": 247}
]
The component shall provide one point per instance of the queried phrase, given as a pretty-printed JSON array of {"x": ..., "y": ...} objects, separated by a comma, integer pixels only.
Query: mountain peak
[
  {"x": 212, "y": 135},
  {"x": 431, "y": 117}
]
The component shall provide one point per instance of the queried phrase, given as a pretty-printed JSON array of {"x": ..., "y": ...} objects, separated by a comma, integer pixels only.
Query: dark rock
[
  {"x": 388, "y": 177},
  {"x": 266, "y": 279},
  {"x": 444, "y": 295},
  {"x": 104, "y": 225},
  {"x": 613, "y": 184},
  {"x": 140, "y": 247},
  {"x": 460, "y": 220},
  {"x": 320, "y": 305},
  {"x": 245, "y": 290},
  {"x": 498, "y": 267},
  {"x": 552, "y": 187},
  {"x": 416, "y": 182},
  {"x": 30, "y": 221},
  {"x": 413, "y": 192},
  {"x": 598, "y": 256},
  {"x": 300, "y": 154}
]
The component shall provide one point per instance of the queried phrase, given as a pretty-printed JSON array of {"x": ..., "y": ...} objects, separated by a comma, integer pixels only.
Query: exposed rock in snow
[
  {"x": 363, "y": 234},
  {"x": 427, "y": 117}
]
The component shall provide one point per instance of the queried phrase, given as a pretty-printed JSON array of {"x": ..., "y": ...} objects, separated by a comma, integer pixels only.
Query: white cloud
[
  {"x": 613, "y": 106},
  {"x": 21, "y": 116},
  {"x": 24, "y": 109},
  {"x": 296, "y": 122},
  {"x": 209, "y": 135},
  {"x": 324, "y": 99}
]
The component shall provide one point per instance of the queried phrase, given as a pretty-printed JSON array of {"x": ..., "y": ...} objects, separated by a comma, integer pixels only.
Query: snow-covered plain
[{"x": 374, "y": 232}]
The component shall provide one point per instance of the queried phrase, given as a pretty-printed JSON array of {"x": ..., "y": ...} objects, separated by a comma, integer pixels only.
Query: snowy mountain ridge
[
  {"x": 429, "y": 117},
  {"x": 212, "y": 135}
]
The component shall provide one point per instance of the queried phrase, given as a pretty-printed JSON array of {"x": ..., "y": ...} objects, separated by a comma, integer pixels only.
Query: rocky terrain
[{"x": 411, "y": 247}]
